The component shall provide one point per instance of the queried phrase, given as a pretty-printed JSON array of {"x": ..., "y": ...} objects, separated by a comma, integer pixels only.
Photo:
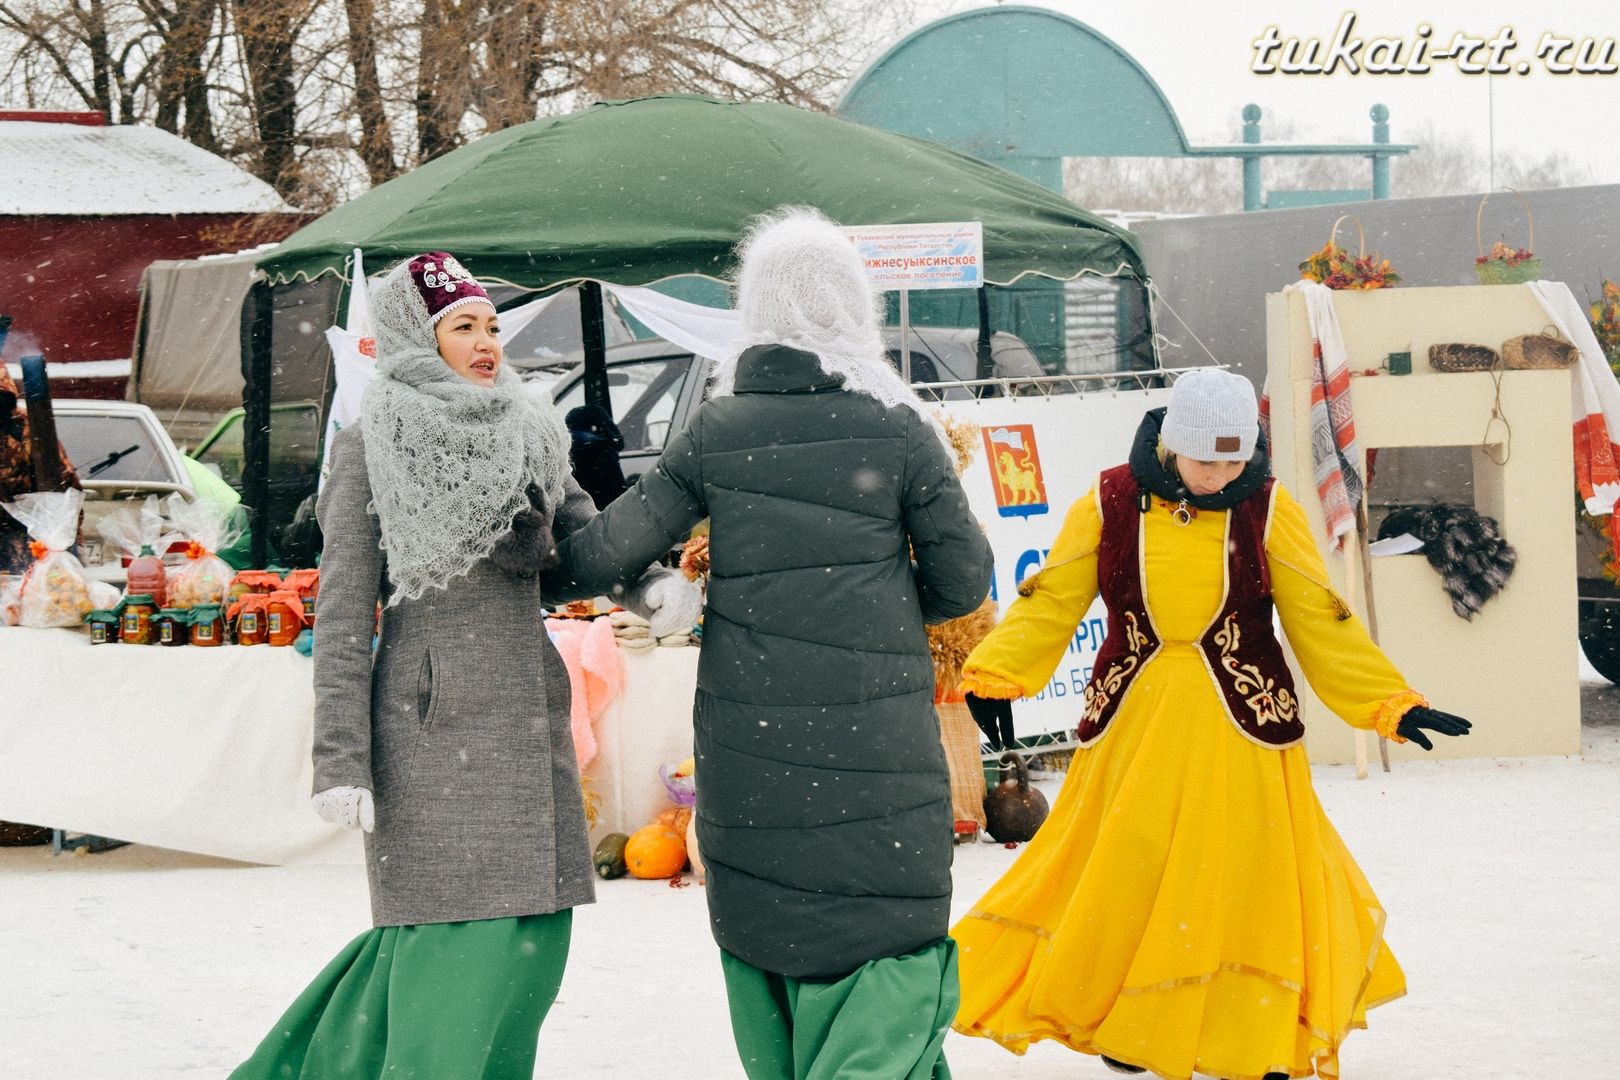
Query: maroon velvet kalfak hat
[{"x": 444, "y": 284}]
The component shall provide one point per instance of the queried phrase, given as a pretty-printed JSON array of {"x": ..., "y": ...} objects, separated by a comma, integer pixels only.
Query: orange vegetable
[
  {"x": 655, "y": 851},
  {"x": 676, "y": 817}
]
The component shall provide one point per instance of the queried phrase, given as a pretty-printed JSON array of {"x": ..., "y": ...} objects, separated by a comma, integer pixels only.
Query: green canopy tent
[{"x": 637, "y": 192}]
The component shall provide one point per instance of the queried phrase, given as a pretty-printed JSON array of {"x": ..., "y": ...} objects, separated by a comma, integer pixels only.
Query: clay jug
[{"x": 1013, "y": 810}]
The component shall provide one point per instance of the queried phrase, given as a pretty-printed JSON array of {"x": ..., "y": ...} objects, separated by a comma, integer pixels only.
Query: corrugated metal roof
[{"x": 73, "y": 169}]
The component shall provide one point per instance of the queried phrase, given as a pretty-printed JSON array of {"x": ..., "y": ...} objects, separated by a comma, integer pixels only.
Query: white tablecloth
[
  {"x": 203, "y": 750},
  {"x": 207, "y": 750},
  {"x": 649, "y": 725}
]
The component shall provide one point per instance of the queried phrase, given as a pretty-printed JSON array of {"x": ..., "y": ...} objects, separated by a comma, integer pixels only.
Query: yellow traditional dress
[{"x": 1187, "y": 906}]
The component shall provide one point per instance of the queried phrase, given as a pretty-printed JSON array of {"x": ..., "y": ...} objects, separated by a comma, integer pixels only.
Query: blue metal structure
[{"x": 1024, "y": 87}]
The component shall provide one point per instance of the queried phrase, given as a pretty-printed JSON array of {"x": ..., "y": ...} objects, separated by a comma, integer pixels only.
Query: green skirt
[
  {"x": 429, "y": 1002},
  {"x": 884, "y": 1021}
]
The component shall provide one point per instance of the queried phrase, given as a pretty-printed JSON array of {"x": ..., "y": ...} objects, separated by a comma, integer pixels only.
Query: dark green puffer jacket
[{"x": 823, "y": 800}]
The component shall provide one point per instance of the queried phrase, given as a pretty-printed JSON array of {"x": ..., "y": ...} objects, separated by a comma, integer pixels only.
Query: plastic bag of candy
[
  {"x": 204, "y": 578},
  {"x": 55, "y": 589}
]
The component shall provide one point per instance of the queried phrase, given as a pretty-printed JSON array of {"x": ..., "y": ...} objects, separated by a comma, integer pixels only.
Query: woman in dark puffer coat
[{"x": 838, "y": 531}]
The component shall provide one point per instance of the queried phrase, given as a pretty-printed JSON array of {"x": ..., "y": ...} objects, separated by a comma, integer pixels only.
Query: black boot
[{"x": 1121, "y": 1067}]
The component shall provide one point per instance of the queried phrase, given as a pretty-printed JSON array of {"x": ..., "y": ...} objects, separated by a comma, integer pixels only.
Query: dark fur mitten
[{"x": 529, "y": 549}]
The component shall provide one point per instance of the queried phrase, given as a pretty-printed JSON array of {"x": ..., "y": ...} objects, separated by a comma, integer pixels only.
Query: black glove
[
  {"x": 1443, "y": 723},
  {"x": 994, "y": 717}
]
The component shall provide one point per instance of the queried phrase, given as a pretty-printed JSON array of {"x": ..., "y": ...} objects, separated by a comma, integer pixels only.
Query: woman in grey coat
[
  {"x": 838, "y": 530},
  {"x": 451, "y": 746}
]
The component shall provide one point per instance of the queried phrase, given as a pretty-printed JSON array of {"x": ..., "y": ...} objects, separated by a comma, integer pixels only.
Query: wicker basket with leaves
[
  {"x": 1504, "y": 265},
  {"x": 1335, "y": 267}
]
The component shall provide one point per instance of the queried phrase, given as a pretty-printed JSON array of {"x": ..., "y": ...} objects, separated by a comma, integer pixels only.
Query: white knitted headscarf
[
  {"x": 800, "y": 283},
  {"x": 450, "y": 461}
]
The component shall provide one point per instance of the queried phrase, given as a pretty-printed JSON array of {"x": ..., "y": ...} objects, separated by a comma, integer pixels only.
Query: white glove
[
  {"x": 349, "y": 807},
  {"x": 674, "y": 603}
]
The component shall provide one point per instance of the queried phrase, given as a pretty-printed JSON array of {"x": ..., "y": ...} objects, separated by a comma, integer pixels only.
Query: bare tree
[
  {"x": 322, "y": 97},
  {"x": 267, "y": 30},
  {"x": 446, "y": 35},
  {"x": 376, "y": 142},
  {"x": 513, "y": 61},
  {"x": 186, "y": 28},
  {"x": 796, "y": 51},
  {"x": 487, "y": 64},
  {"x": 88, "y": 54}
]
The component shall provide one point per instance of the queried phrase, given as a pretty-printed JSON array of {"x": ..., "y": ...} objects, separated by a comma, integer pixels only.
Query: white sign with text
[
  {"x": 1035, "y": 457},
  {"x": 947, "y": 255}
]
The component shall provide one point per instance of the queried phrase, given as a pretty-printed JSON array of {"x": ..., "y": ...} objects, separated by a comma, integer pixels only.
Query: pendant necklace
[{"x": 1181, "y": 514}]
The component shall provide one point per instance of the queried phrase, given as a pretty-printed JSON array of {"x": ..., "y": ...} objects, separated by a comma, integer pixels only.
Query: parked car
[
  {"x": 122, "y": 455},
  {"x": 295, "y": 463},
  {"x": 656, "y": 386}
]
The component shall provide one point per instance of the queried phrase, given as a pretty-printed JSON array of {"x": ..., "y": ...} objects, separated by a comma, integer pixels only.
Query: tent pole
[
  {"x": 593, "y": 331},
  {"x": 986, "y": 367},
  {"x": 257, "y": 313},
  {"x": 905, "y": 336}
]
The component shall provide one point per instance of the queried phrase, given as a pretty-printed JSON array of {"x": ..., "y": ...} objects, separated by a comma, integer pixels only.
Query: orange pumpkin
[
  {"x": 676, "y": 817},
  {"x": 655, "y": 851}
]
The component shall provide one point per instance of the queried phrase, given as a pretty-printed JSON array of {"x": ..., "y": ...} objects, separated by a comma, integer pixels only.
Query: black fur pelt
[{"x": 1464, "y": 547}]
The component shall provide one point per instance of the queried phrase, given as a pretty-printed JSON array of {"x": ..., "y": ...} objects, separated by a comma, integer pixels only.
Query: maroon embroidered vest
[{"x": 1240, "y": 649}]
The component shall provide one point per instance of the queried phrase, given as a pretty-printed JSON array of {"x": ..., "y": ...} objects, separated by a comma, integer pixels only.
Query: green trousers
[
  {"x": 884, "y": 1021},
  {"x": 431, "y": 1002}
]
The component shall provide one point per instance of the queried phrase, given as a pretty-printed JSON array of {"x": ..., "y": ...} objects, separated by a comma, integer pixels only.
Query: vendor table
[
  {"x": 649, "y": 725},
  {"x": 203, "y": 750},
  {"x": 207, "y": 750}
]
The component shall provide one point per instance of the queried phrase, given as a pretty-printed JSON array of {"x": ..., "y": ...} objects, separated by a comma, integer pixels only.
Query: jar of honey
[
  {"x": 103, "y": 626},
  {"x": 255, "y": 581},
  {"x": 135, "y": 620},
  {"x": 249, "y": 617},
  {"x": 284, "y": 611},
  {"x": 172, "y": 625},
  {"x": 307, "y": 584},
  {"x": 208, "y": 625}
]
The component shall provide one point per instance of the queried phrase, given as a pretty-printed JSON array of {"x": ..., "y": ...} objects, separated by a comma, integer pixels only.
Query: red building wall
[{"x": 71, "y": 284}]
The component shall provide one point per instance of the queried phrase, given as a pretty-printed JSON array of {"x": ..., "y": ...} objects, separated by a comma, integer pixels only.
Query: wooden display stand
[{"x": 1512, "y": 670}]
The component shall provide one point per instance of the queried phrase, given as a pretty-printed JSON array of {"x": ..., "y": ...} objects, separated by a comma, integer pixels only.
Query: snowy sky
[{"x": 1200, "y": 53}]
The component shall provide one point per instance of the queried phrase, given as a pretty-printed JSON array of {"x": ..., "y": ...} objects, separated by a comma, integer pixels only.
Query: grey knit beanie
[{"x": 1212, "y": 416}]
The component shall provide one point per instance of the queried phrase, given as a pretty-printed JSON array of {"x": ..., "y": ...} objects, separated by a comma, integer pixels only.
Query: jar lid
[
  {"x": 140, "y": 598},
  {"x": 101, "y": 615},
  {"x": 174, "y": 613},
  {"x": 206, "y": 612}
]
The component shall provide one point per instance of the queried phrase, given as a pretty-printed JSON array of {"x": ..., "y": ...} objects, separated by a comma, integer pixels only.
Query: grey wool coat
[
  {"x": 823, "y": 809},
  {"x": 458, "y": 725}
]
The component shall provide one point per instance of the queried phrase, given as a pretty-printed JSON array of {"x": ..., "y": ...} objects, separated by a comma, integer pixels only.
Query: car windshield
[
  {"x": 113, "y": 449},
  {"x": 295, "y": 440}
]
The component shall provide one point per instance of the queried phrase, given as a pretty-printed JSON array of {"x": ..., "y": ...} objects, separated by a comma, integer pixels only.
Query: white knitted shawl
[
  {"x": 800, "y": 283},
  {"x": 450, "y": 462}
]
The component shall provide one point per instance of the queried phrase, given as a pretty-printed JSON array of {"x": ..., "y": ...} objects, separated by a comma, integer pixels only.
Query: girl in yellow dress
[{"x": 1188, "y": 907}]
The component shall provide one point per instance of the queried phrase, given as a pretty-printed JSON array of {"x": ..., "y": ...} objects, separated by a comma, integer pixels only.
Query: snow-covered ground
[{"x": 1502, "y": 879}]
